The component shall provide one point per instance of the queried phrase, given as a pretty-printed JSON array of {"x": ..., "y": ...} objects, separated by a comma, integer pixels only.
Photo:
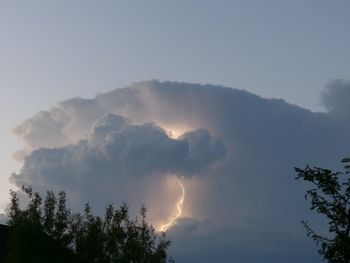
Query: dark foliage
[
  {"x": 47, "y": 231},
  {"x": 330, "y": 197},
  {"x": 4, "y": 236}
]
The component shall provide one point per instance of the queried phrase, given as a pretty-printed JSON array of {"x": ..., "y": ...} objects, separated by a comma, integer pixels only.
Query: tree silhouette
[
  {"x": 330, "y": 196},
  {"x": 47, "y": 231}
]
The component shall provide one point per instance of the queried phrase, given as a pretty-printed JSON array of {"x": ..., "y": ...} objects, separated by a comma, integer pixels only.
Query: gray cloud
[
  {"x": 336, "y": 100},
  {"x": 3, "y": 219},
  {"x": 43, "y": 123},
  {"x": 116, "y": 152},
  {"x": 240, "y": 187}
]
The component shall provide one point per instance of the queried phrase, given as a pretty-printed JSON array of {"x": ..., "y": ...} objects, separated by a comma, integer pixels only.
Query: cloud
[
  {"x": 117, "y": 152},
  {"x": 235, "y": 150},
  {"x": 336, "y": 100},
  {"x": 3, "y": 219},
  {"x": 43, "y": 130}
]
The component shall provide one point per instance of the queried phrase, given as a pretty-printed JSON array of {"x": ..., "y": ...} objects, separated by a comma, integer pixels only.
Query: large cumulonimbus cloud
[{"x": 235, "y": 150}]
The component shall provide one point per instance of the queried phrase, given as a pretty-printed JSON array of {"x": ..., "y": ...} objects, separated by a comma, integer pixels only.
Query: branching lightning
[{"x": 179, "y": 205}]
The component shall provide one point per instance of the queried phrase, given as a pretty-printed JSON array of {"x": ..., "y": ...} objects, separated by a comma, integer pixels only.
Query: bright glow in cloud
[
  {"x": 179, "y": 205},
  {"x": 176, "y": 132}
]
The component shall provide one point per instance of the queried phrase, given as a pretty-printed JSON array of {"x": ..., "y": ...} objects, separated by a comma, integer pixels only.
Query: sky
[{"x": 54, "y": 51}]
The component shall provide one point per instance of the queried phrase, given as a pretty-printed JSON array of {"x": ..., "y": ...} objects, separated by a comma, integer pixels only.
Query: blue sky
[{"x": 51, "y": 51}]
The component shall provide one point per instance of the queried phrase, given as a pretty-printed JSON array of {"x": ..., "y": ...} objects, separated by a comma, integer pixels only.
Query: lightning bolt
[{"x": 179, "y": 205}]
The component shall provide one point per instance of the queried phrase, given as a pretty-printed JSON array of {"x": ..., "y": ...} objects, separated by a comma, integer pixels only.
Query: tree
[
  {"x": 330, "y": 196},
  {"x": 47, "y": 231}
]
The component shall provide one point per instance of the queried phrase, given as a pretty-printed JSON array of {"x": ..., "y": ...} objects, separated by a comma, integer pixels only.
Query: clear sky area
[{"x": 51, "y": 51}]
